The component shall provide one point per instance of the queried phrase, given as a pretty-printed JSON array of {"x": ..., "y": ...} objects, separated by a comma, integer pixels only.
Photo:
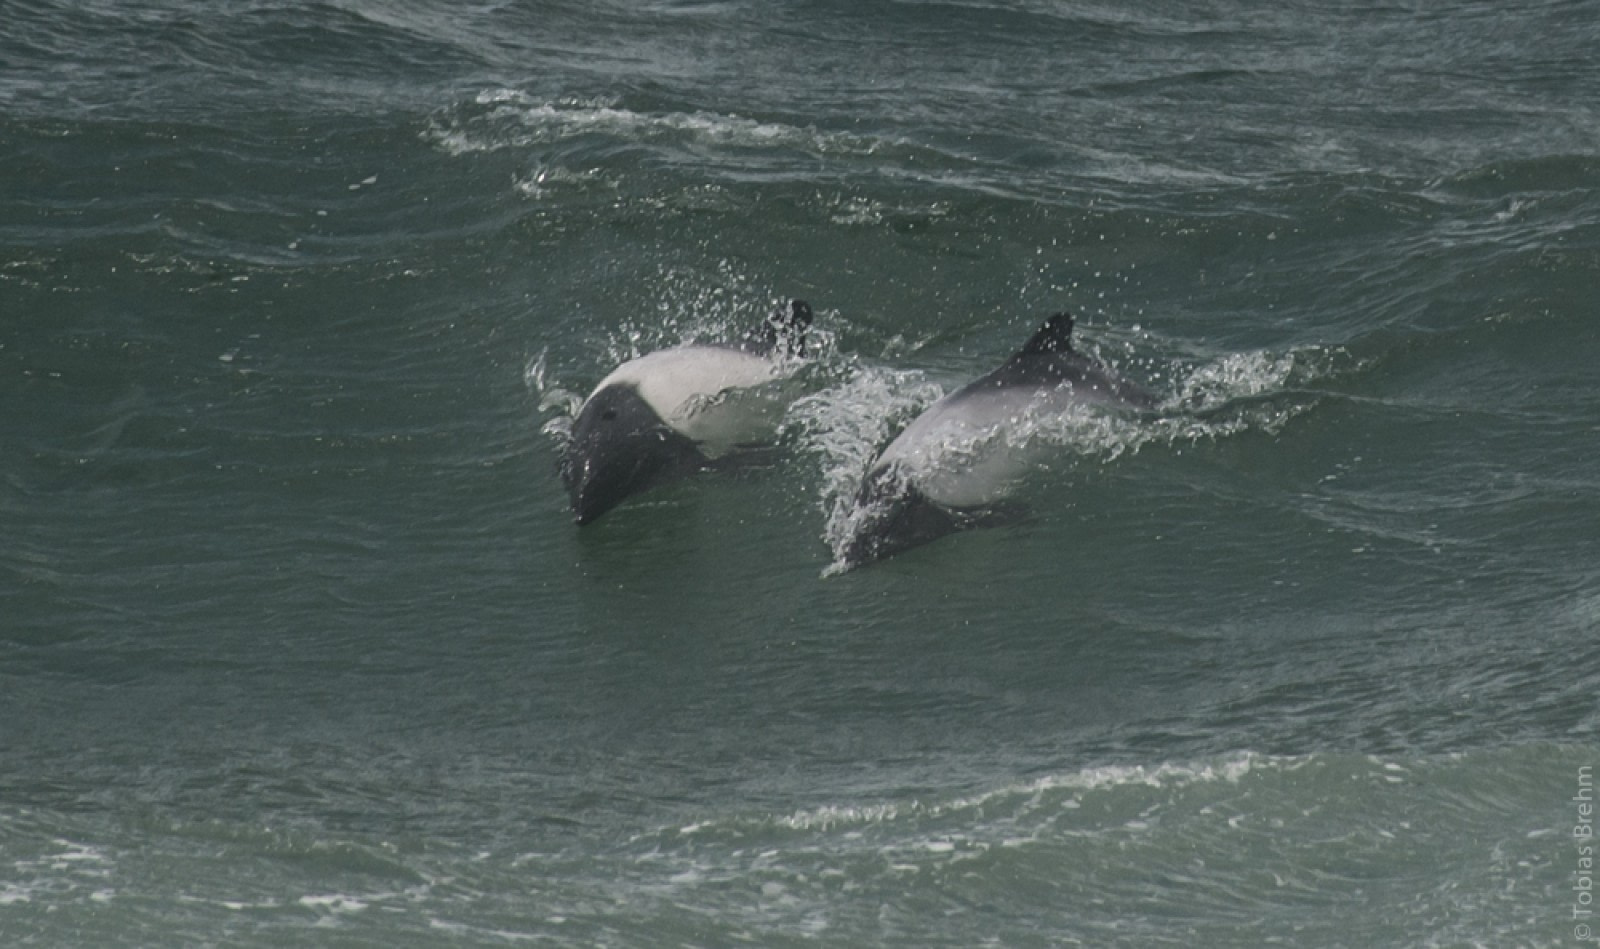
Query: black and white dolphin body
[
  {"x": 955, "y": 464},
  {"x": 669, "y": 412}
]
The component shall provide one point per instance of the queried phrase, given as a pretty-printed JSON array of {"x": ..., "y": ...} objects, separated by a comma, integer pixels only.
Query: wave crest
[{"x": 509, "y": 118}]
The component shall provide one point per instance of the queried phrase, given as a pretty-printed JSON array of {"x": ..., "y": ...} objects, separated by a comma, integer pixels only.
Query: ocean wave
[
  {"x": 1243, "y": 793},
  {"x": 1243, "y": 839},
  {"x": 1057, "y": 791},
  {"x": 588, "y": 141},
  {"x": 509, "y": 118},
  {"x": 57, "y": 870}
]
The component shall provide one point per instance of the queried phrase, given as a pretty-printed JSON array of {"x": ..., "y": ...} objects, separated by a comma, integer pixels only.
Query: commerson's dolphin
[
  {"x": 664, "y": 414},
  {"x": 954, "y": 465}
]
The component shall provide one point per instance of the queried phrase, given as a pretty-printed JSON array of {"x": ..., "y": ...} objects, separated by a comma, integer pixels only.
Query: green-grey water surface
[{"x": 299, "y": 645}]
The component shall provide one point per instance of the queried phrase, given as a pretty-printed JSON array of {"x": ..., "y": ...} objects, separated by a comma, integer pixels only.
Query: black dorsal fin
[
  {"x": 783, "y": 333},
  {"x": 1053, "y": 336}
]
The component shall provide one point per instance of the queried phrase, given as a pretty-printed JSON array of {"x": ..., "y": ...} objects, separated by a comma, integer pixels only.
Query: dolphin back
[{"x": 1047, "y": 360}]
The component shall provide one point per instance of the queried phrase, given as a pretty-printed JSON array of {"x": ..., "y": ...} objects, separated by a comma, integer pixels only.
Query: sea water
[{"x": 300, "y": 646}]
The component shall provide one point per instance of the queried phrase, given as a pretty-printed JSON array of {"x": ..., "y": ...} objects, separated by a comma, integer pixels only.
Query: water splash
[
  {"x": 1236, "y": 375},
  {"x": 847, "y": 425},
  {"x": 553, "y": 398},
  {"x": 690, "y": 306}
]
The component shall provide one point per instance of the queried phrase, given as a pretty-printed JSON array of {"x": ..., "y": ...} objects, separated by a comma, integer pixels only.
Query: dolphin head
[
  {"x": 891, "y": 516},
  {"x": 619, "y": 447}
]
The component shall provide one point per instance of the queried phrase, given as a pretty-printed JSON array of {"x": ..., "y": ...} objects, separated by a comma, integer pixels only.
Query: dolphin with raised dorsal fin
[
  {"x": 664, "y": 414},
  {"x": 952, "y": 468}
]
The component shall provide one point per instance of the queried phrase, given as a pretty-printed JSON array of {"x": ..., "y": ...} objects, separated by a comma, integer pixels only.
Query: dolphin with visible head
[
  {"x": 673, "y": 411},
  {"x": 954, "y": 465}
]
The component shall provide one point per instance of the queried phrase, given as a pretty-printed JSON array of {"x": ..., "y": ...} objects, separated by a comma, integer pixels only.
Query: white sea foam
[
  {"x": 482, "y": 934},
  {"x": 1233, "y": 376},
  {"x": 919, "y": 835},
  {"x": 333, "y": 903},
  {"x": 509, "y": 118},
  {"x": 71, "y": 871},
  {"x": 549, "y": 176},
  {"x": 858, "y": 210},
  {"x": 1230, "y": 769}
]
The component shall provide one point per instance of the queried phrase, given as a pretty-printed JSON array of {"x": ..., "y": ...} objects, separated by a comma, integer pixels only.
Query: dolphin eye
[{"x": 608, "y": 415}]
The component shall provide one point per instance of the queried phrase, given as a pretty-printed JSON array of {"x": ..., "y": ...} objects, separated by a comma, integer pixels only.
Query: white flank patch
[{"x": 708, "y": 393}]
